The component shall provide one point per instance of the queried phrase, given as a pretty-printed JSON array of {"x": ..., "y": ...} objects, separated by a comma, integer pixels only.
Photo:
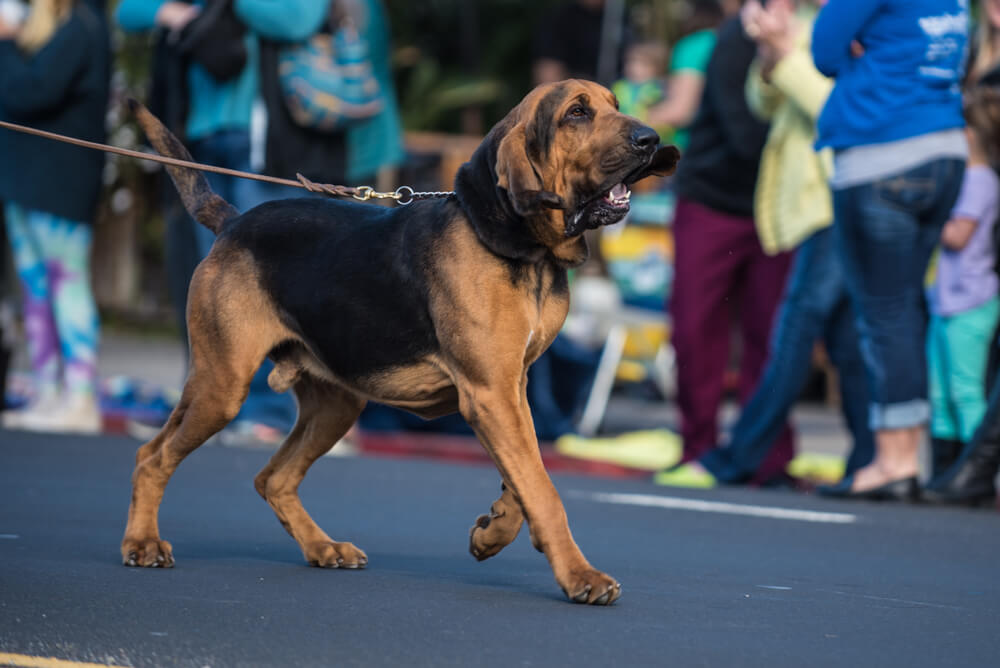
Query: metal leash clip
[{"x": 365, "y": 193}]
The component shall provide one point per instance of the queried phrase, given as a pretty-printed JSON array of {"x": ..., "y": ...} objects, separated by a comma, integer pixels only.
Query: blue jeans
[
  {"x": 231, "y": 148},
  {"x": 816, "y": 305},
  {"x": 886, "y": 231}
]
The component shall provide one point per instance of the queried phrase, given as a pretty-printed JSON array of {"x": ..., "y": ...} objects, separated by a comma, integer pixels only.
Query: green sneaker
[
  {"x": 651, "y": 450},
  {"x": 828, "y": 469},
  {"x": 689, "y": 475}
]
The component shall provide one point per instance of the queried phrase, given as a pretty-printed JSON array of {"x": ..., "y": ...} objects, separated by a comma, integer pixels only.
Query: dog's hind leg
[
  {"x": 326, "y": 412},
  {"x": 491, "y": 533},
  {"x": 209, "y": 401},
  {"x": 231, "y": 330}
]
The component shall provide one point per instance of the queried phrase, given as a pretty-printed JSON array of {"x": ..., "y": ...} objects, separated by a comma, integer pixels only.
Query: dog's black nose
[{"x": 645, "y": 138}]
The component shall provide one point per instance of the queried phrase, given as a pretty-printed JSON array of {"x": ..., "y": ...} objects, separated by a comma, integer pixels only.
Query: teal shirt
[
  {"x": 691, "y": 55},
  {"x": 216, "y": 106},
  {"x": 378, "y": 141}
]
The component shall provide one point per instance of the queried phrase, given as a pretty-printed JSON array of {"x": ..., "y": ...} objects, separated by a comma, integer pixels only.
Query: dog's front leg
[
  {"x": 502, "y": 421},
  {"x": 492, "y": 533}
]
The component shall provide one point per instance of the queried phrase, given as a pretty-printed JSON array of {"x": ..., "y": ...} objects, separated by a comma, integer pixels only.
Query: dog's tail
[{"x": 201, "y": 202}]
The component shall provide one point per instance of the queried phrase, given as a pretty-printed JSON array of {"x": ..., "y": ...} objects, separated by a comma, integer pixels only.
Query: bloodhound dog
[{"x": 435, "y": 307}]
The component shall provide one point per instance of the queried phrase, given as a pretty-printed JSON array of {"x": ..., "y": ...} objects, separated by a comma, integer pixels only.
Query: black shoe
[
  {"x": 904, "y": 489},
  {"x": 970, "y": 480},
  {"x": 944, "y": 453}
]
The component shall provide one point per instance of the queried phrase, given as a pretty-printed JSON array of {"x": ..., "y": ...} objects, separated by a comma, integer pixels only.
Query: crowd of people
[
  {"x": 215, "y": 82},
  {"x": 838, "y": 185}
]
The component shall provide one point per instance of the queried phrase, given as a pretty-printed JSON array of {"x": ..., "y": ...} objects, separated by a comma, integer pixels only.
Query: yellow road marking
[{"x": 25, "y": 661}]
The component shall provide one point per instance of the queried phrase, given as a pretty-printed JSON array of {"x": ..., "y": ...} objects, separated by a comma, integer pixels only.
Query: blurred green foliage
[{"x": 452, "y": 55}]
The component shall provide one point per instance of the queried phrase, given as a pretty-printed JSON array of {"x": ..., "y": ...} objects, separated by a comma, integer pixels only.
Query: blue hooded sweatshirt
[{"x": 907, "y": 82}]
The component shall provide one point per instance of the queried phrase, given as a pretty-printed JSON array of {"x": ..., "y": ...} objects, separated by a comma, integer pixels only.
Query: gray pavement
[
  {"x": 152, "y": 358},
  {"x": 727, "y": 577}
]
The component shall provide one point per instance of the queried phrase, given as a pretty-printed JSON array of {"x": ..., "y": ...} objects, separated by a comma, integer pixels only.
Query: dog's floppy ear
[
  {"x": 663, "y": 162},
  {"x": 519, "y": 176}
]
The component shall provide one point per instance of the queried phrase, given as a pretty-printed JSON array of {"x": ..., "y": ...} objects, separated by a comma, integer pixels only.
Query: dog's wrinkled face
[{"x": 569, "y": 156}]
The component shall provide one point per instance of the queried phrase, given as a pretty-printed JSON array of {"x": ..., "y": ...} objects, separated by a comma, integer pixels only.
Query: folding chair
[{"x": 639, "y": 256}]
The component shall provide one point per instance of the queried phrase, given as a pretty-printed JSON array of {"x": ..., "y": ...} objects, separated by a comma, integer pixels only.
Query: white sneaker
[
  {"x": 77, "y": 414},
  {"x": 44, "y": 405}
]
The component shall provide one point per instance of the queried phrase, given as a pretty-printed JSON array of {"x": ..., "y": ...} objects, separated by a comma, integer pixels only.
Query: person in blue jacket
[
  {"x": 217, "y": 129},
  {"x": 894, "y": 120}
]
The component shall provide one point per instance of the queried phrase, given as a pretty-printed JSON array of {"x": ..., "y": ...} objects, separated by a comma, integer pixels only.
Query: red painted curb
[{"x": 466, "y": 449}]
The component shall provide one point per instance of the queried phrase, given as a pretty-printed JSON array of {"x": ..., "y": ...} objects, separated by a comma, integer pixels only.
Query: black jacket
[
  {"x": 62, "y": 88},
  {"x": 719, "y": 168}
]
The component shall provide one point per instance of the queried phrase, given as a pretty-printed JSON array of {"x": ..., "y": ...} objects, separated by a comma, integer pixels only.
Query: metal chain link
[
  {"x": 407, "y": 192},
  {"x": 403, "y": 195}
]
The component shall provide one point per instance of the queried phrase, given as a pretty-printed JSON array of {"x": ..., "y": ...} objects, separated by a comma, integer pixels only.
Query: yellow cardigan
[{"x": 792, "y": 199}]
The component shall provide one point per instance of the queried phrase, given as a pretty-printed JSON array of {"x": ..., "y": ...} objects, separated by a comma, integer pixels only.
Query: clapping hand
[
  {"x": 175, "y": 15},
  {"x": 8, "y": 30},
  {"x": 773, "y": 28}
]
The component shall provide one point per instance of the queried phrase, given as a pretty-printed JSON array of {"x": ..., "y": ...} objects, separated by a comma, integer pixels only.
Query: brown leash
[{"x": 402, "y": 195}]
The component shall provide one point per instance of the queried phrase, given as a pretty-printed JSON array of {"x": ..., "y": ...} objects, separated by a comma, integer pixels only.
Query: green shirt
[{"x": 691, "y": 54}]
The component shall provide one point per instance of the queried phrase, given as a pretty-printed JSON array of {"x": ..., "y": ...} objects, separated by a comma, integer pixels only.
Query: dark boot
[
  {"x": 6, "y": 341},
  {"x": 970, "y": 480},
  {"x": 944, "y": 452},
  {"x": 4, "y": 365}
]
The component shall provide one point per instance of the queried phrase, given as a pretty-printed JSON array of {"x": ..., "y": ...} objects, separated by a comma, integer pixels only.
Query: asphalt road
[{"x": 726, "y": 577}]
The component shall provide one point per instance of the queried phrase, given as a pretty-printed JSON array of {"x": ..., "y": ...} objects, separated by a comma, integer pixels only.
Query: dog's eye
[{"x": 577, "y": 111}]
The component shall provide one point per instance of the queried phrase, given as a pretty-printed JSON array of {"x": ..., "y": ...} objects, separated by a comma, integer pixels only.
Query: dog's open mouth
[
  {"x": 609, "y": 206},
  {"x": 618, "y": 197},
  {"x": 604, "y": 209}
]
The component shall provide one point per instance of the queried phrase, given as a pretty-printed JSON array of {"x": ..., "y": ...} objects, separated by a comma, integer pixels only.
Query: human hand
[
  {"x": 749, "y": 16},
  {"x": 8, "y": 30},
  {"x": 777, "y": 28},
  {"x": 175, "y": 15},
  {"x": 856, "y": 49},
  {"x": 773, "y": 28}
]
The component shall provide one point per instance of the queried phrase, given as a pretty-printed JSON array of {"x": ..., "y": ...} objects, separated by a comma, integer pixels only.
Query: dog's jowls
[{"x": 436, "y": 307}]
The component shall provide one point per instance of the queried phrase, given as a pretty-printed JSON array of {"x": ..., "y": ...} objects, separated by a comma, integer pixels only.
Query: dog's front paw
[
  {"x": 492, "y": 533},
  {"x": 592, "y": 587},
  {"x": 331, "y": 554},
  {"x": 148, "y": 553}
]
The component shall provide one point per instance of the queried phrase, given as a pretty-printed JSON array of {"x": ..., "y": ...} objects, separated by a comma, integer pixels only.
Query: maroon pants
[{"x": 721, "y": 272}]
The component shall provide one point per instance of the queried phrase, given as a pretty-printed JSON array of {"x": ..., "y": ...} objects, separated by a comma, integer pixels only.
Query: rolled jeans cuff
[{"x": 902, "y": 415}]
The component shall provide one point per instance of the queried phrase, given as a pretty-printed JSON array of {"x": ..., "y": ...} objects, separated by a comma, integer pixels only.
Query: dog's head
[{"x": 560, "y": 163}]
